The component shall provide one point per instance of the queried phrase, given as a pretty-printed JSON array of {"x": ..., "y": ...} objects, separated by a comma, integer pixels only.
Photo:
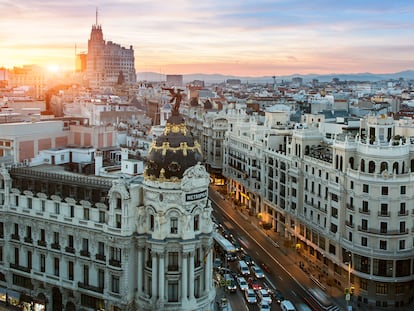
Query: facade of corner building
[
  {"x": 118, "y": 240},
  {"x": 341, "y": 192}
]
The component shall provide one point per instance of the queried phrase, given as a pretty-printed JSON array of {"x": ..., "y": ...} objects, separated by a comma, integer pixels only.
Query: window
[
  {"x": 363, "y": 284},
  {"x": 56, "y": 237},
  {"x": 116, "y": 254},
  {"x": 29, "y": 203},
  {"x": 174, "y": 225},
  {"x": 172, "y": 261},
  {"x": 364, "y": 241},
  {"x": 85, "y": 274},
  {"x": 334, "y": 212},
  {"x": 57, "y": 208},
  {"x": 42, "y": 235},
  {"x": 152, "y": 222},
  {"x": 384, "y": 209},
  {"x": 101, "y": 278},
  {"x": 42, "y": 263},
  {"x": 101, "y": 248},
  {"x": 402, "y": 244},
  {"x": 70, "y": 241},
  {"x": 364, "y": 224},
  {"x": 43, "y": 203},
  {"x": 70, "y": 270},
  {"x": 16, "y": 257},
  {"x": 350, "y": 236},
  {"x": 382, "y": 288},
  {"x": 86, "y": 213},
  {"x": 85, "y": 247},
  {"x": 332, "y": 249},
  {"x": 196, "y": 224},
  {"x": 1, "y": 230},
  {"x": 365, "y": 188},
  {"x": 115, "y": 284},
  {"x": 56, "y": 266},
  {"x": 365, "y": 207},
  {"x": 351, "y": 185},
  {"x": 384, "y": 190},
  {"x": 403, "y": 210},
  {"x": 403, "y": 190},
  {"x": 118, "y": 220},
  {"x": 16, "y": 229},
  {"x": 383, "y": 244},
  {"x": 173, "y": 291},
  {"x": 118, "y": 203},
  {"x": 72, "y": 211},
  {"x": 101, "y": 217},
  {"x": 383, "y": 227},
  {"x": 402, "y": 227}
]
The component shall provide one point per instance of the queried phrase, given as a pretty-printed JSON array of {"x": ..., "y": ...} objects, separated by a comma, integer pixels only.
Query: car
[
  {"x": 217, "y": 263},
  {"x": 241, "y": 281},
  {"x": 254, "y": 284},
  {"x": 264, "y": 307},
  {"x": 250, "y": 296},
  {"x": 247, "y": 259},
  {"x": 257, "y": 272},
  {"x": 230, "y": 283},
  {"x": 264, "y": 296},
  {"x": 277, "y": 296},
  {"x": 231, "y": 256}
]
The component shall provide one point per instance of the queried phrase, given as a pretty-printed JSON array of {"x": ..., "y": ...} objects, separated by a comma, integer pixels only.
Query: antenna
[{"x": 96, "y": 22}]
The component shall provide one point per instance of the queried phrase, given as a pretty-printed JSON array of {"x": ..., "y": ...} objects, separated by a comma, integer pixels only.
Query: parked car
[
  {"x": 217, "y": 263},
  {"x": 254, "y": 284},
  {"x": 264, "y": 296},
  {"x": 250, "y": 296},
  {"x": 241, "y": 281},
  {"x": 257, "y": 272}
]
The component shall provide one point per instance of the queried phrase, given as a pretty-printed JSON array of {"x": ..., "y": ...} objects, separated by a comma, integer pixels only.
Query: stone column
[
  {"x": 191, "y": 276},
  {"x": 154, "y": 276},
  {"x": 184, "y": 278},
  {"x": 207, "y": 270},
  {"x": 140, "y": 269},
  {"x": 161, "y": 276}
]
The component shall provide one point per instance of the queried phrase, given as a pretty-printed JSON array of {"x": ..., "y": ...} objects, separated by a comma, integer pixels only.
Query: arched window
[
  {"x": 371, "y": 167},
  {"x": 395, "y": 167},
  {"x": 351, "y": 162},
  {"x": 384, "y": 166},
  {"x": 362, "y": 165}
]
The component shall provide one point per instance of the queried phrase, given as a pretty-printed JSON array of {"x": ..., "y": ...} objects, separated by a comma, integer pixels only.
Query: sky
[{"x": 242, "y": 38}]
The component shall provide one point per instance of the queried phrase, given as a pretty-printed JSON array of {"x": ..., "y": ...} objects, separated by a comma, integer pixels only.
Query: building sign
[{"x": 196, "y": 196}]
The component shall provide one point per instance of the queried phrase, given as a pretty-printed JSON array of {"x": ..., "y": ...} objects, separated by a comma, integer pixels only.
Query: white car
[
  {"x": 250, "y": 296},
  {"x": 257, "y": 272},
  {"x": 264, "y": 296},
  {"x": 241, "y": 281}
]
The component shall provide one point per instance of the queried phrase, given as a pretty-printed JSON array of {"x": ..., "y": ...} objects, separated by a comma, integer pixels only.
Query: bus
[{"x": 224, "y": 247}]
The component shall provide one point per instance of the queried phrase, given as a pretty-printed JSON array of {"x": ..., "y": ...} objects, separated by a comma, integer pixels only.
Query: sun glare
[{"x": 53, "y": 68}]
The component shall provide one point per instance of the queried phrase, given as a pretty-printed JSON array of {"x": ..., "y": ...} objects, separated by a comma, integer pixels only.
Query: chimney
[{"x": 98, "y": 162}]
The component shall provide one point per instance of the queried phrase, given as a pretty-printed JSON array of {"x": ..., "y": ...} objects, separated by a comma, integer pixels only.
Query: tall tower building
[
  {"x": 174, "y": 225},
  {"x": 107, "y": 63}
]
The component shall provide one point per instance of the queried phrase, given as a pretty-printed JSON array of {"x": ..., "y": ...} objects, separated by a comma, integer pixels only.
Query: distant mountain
[{"x": 218, "y": 78}]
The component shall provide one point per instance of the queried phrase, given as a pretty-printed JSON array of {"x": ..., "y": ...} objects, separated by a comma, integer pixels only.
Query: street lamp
[{"x": 348, "y": 291}]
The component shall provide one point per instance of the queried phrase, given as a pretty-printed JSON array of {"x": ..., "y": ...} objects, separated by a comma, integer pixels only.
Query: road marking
[
  {"x": 293, "y": 292},
  {"x": 280, "y": 278}
]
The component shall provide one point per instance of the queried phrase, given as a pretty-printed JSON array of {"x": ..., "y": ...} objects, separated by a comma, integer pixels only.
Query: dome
[{"x": 173, "y": 152}]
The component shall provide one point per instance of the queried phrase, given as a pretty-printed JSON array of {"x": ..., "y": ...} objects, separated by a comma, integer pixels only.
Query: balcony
[
  {"x": 364, "y": 211},
  {"x": 383, "y": 231},
  {"x": 55, "y": 246},
  {"x": 115, "y": 263},
  {"x": 15, "y": 236},
  {"x": 41, "y": 243},
  {"x": 384, "y": 214},
  {"x": 28, "y": 240},
  {"x": 85, "y": 253},
  {"x": 350, "y": 207},
  {"x": 349, "y": 224},
  {"x": 20, "y": 268},
  {"x": 69, "y": 249},
  {"x": 100, "y": 257},
  {"x": 403, "y": 213},
  {"x": 91, "y": 287}
]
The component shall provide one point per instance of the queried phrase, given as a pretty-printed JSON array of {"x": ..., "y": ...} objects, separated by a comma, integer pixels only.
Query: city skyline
[{"x": 252, "y": 38}]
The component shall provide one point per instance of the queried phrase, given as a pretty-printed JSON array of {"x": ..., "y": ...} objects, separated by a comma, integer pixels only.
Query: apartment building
[
  {"x": 340, "y": 192},
  {"x": 124, "y": 237}
]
